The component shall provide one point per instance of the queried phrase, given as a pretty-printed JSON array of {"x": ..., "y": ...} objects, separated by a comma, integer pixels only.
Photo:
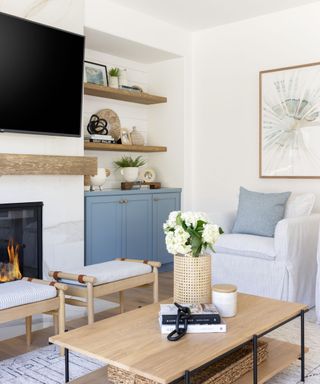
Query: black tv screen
[{"x": 41, "y": 75}]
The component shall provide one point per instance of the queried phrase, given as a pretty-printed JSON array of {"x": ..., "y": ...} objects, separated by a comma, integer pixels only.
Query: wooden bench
[
  {"x": 102, "y": 279},
  {"x": 24, "y": 298}
]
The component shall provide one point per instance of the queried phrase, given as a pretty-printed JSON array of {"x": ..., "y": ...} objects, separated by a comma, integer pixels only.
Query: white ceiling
[{"x": 194, "y": 15}]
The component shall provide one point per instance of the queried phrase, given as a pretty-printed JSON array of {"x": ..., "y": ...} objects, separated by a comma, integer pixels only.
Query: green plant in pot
[
  {"x": 114, "y": 74},
  {"x": 129, "y": 167}
]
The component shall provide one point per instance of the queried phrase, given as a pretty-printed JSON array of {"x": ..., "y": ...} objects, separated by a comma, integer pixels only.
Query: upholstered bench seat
[
  {"x": 99, "y": 280},
  {"x": 20, "y": 292},
  {"x": 110, "y": 271}
]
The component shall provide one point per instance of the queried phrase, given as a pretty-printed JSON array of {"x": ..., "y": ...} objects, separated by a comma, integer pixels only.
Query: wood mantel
[{"x": 17, "y": 164}]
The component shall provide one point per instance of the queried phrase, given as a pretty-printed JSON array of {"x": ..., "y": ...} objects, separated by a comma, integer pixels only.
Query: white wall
[
  {"x": 168, "y": 124},
  {"x": 167, "y": 121},
  {"x": 161, "y": 124},
  {"x": 62, "y": 195},
  {"x": 226, "y": 65},
  {"x": 130, "y": 114}
]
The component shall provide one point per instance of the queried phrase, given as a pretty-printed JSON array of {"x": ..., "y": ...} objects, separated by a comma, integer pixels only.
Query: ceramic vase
[
  {"x": 123, "y": 77},
  {"x": 130, "y": 173},
  {"x": 113, "y": 82}
]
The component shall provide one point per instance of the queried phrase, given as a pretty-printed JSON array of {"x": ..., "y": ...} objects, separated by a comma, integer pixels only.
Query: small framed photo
[
  {"x": 125, "y": 137},
  {"x": 95, "y": 73}
]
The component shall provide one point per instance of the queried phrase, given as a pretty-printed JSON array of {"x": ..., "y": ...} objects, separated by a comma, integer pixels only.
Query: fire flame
[{"x": 11, "y": 271}]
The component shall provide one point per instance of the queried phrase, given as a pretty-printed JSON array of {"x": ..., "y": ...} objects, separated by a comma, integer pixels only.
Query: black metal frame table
[{"x": 255, "y": 338}]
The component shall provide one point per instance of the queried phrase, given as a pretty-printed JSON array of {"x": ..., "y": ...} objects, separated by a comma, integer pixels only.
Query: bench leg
[
  {"x": 55, "y": 316},
  {"x": 90, "y": 303},
  {"x": 61, "y": 317},
  {"x": 156, "y": 285},
  {"x": 121, "y": 301},
  {"x": 29, "y": 330}
]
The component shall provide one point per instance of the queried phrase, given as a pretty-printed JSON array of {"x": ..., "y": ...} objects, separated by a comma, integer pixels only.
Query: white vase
[
  {"x": 100, "y": 178},
  {"x": 113, "y": 82},
  {"x": 130, "y": 173},
  {"x": 123, "y": 77}
]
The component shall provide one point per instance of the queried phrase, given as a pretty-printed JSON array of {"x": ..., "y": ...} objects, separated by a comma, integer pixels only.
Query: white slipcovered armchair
[{"x": 282, "y": 267}]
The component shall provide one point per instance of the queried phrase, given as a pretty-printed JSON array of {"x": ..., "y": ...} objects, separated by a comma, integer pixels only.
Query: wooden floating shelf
[
  {"x": 16, "y": 164},
  {"x": 121, "y": 94},
  {"x": 122, "y": 148}
]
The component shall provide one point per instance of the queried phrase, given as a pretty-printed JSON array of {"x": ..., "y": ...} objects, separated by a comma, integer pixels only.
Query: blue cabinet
[{"x": 128, "y": 224}]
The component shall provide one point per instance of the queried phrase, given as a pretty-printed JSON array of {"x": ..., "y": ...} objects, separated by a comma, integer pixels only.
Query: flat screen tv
[{"x": 41, "y": 76}]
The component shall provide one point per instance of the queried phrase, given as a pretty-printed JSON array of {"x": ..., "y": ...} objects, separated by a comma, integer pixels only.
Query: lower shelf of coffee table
[{"x": 281, "y": 355}]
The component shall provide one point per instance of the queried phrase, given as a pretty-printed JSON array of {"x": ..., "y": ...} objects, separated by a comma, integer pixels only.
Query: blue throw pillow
[{"x": 259, "y": 213}]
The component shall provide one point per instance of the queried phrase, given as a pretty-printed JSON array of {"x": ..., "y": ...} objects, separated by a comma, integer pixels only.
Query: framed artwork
[
  {"x": 95, "y": 73},
  {"x": 125, "y": 137},
  {"x": 290, "y": 122}
]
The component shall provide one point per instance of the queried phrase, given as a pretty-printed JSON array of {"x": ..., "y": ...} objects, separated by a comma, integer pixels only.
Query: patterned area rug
[{"x": 45, "y": 366}]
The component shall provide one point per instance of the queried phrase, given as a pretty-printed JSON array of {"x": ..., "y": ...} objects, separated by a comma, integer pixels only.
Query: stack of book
[
  {"x": 204, "y": 318},
  {"x": 101, "y": 139}
]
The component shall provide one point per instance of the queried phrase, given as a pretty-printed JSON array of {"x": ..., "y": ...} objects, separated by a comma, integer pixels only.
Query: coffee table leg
[
  {"x": 187, "y": 379},
  {"x": 66, "y": 365},
  {"x": 255, "y": 359},
  {"x": 302, "y": 347}
]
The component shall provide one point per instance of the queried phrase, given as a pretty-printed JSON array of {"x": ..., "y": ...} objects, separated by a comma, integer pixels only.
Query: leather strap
[
  {"x": 80, "y": 279},
  {"x": 55, "y": 275}
]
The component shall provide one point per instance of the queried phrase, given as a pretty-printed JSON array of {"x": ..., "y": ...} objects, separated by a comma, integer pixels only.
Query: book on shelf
[{"x": 200, "y": 314}]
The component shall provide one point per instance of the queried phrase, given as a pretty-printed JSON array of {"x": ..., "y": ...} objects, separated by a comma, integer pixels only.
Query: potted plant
[
  {"x": 129, "y": 167},
  {"x": 114, "y": 74},
  {"x": 188, "y": 236}
]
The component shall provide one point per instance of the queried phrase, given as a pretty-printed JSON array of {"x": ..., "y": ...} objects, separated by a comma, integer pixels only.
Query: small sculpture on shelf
[{"x": 99, "y": 179}]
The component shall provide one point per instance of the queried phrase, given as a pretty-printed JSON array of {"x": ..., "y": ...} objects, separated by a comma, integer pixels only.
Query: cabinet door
[
  {"x": 163, "y": 204},
  {"x": 137, "y": 227},
  {"x": 103, "y": 228}
]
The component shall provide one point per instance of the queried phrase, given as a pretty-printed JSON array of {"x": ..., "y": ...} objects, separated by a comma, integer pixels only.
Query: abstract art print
[
  {"x": 95, "y": 73},
  {"x": 290, "y": 122}
]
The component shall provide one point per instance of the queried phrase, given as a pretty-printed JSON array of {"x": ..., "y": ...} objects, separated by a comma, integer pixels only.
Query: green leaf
[
  {"x": 221, "y": 231},
  {"x": 200, "y": 225},
  {"x": 128, "y": 161}
]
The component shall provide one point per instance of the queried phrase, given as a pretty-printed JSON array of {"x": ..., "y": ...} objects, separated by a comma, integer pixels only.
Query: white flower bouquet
[{"x": 190, "y": 233}]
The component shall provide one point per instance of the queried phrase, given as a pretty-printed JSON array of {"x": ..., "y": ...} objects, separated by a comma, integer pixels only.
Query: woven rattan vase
[{"x": 192, "y": 279}]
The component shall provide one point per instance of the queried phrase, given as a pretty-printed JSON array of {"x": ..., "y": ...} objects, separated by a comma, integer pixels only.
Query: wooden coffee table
[{"x": 132, "y": 341}]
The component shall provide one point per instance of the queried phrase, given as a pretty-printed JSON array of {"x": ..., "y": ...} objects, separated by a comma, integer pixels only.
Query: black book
[{"x": 200, "y": 314}]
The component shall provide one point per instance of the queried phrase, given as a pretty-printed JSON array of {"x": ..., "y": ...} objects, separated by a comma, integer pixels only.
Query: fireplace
[{"x": 20, "y": 240}]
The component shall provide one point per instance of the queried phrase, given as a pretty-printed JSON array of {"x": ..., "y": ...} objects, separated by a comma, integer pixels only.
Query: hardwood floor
[{"x": 134, "y": 298}]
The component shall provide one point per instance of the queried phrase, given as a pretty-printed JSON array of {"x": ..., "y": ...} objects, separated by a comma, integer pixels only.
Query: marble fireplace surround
[{"x": 62, "y": 195}]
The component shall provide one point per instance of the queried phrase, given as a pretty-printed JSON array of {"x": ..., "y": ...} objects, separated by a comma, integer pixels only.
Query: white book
[{"x": 196, "y": 328}]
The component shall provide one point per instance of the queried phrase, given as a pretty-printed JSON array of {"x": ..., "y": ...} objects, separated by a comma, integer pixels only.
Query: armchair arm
[{"x": 296, "y": 239}]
